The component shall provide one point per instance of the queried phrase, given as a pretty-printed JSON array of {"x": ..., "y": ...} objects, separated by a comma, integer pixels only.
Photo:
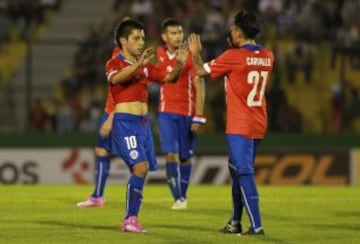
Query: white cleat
[
  {"x": 91, "y": 202},
  {"x": 179, "y": 204}
]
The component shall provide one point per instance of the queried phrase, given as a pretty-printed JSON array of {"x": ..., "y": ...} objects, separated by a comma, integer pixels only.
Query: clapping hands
[
  {"x": 182, "y": 53},
  {"x": 194, "y": 44},
  {"x": 146, "y": 56}
]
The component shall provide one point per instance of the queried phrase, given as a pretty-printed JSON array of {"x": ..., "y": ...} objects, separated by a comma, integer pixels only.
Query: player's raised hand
[
  {"x": 194, "y": 43},
  {"x": 147, "y": 55},
  {"x": 184, "y": 46},
  {"x": 182, "y": 53}
]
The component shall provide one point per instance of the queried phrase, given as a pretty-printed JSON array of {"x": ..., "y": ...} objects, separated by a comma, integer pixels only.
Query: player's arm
[
  {"x": 181, "y": 57},
  {"x": 195, "y": 48},
  {"x": 199, "y": 118},
  {"x": 127, "y": 73},
  {"x": 107, "y": 126}
]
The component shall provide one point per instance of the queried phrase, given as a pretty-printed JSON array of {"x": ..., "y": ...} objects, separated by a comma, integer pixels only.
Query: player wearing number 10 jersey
[
  {"x": 128, "y": 75},
  {"x": 247, "y": 69}
]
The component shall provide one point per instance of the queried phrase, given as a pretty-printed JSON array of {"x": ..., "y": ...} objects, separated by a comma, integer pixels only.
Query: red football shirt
[
  {"x": 110, "y": 104},
  {"x": 115, "y": 51},
  {"x": 247, "y": 72},
  {"x": 178, "y": 97},
  {"x": 135, "y": 88}
]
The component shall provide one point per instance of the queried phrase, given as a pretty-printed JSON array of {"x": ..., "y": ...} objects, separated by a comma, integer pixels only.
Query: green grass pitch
[{"x": 291, "y": 214}]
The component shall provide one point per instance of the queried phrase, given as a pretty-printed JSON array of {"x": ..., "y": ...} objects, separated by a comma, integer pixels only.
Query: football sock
[
  {"x": 101, "y": 175},
  {"x": 236, "y": 196},
  {"x": 134, "y": 195},
  {"x": 185, "y": 172},
  {"x": 173, "y": 179},
  {"x": 251, "y": 199}
]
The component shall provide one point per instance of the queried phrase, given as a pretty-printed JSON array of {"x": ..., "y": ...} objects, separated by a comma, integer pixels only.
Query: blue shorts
[
  {"x": 132, "y": 140},
  {"x": 242, "y": 153},
  {"x": 103, "y": 142},
  {"x": 176, "y": 135}
]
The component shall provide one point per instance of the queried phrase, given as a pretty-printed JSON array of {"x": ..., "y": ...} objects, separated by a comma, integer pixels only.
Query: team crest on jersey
[
  {"x": 134, "y": 154},
  {"x": 146, "y": 72},
  {"x": 169, "y": 69},
  {"x": 161, "y": 59}
]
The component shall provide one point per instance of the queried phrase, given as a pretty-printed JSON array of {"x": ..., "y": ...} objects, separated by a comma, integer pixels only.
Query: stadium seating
[{"x": 313, "y": 99}]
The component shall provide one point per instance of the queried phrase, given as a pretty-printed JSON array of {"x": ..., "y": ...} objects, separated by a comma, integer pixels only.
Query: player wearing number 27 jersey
[
  {"x": 247, "y": 69},
  {"x": 247, "y": 73}
]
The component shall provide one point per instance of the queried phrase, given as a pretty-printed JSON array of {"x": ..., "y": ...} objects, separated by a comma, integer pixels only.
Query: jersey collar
[
  {"x": 251, "y": 47},
  {"x": 122, "y": 58},
  {"x": 170, "y": 56}
]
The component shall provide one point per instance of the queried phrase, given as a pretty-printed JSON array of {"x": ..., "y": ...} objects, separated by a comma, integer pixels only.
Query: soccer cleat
[
  {"x": 179, "y": 204},
  {"x": 131, "y": 224},
  {"x": 91, "y": 202},
  {"x": 231, "y": 228},
  {"x": 252, "y": 232}
]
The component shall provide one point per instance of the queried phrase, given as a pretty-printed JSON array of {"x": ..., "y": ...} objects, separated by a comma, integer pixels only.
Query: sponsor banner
[
  {"x": 39, "y": 166},
  {"x": 76, "y": 166},
  {"x": 315, "y": 168}
]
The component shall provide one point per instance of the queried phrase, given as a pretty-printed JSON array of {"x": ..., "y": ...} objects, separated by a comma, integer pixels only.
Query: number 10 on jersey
[{"x": 131, "y": 142}]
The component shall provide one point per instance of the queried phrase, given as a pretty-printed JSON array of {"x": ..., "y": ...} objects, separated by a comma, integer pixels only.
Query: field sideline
[{"x": 47, "y": 214}]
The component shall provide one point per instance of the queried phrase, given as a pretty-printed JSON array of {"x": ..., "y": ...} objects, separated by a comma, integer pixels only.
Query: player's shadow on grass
[
  {"x": 183, "y": 227},
  {"x": 349, "y": 226},
  {"x": 75, "y": 225}
]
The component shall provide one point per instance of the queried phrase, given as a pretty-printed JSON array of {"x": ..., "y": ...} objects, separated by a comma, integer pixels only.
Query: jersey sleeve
[
  {"x": 111, "y": 68},
  {"x": 160, "y": 57},
  {"x": 115, "y": 51},
  {"x": 220, "y": 65},
  {"x": 154, "y": 73}
]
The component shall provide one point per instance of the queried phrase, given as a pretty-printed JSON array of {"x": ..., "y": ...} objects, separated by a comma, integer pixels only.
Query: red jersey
[
  {"x": 179, "y": 97},
  {"x": 110, "y": 104},
  {"x": 247, "y": 73},
  {"x": 135, "y": 88},
  {"x": 116, "y": 50}
]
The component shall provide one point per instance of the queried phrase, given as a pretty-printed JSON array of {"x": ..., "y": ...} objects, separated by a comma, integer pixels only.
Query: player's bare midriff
[{"x": 136, "y": 108}]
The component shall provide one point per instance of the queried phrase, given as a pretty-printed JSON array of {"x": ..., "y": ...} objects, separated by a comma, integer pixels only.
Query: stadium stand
[{"x": 315, "y": 86}]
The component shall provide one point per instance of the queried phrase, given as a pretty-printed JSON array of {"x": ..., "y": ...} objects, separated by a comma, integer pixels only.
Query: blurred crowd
[
  {"x": 303, "y": 23},
  {"x": 23, "y": 16}
]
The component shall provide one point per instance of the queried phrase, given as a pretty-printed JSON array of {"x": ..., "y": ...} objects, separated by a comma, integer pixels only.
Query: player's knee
[
  {"x": 236, "y": 171},
  {"x": 101, "y": 152},
  {"x": 140, "y": 169},
  {"x": 172, "y": 157},
  {"x": 233, "y": 171}
]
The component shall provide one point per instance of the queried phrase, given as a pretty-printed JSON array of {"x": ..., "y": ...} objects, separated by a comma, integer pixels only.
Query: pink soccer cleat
[
  {"x": 131, "y": 224},
  {"x": 91, "y": 202}
]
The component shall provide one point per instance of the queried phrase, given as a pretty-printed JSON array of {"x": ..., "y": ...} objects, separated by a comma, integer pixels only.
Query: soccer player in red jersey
[
  {"x": 247, "y": 69},
  {"x": 129, "y": 74},
  {"x": 181, "y": 109}
]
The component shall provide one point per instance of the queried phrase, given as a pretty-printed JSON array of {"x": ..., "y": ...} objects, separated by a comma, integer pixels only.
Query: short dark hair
[
  {"x": 168, "y": 22},
  {"x": 248, "y": 22},
  {"x": 124, "y": 29}
]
